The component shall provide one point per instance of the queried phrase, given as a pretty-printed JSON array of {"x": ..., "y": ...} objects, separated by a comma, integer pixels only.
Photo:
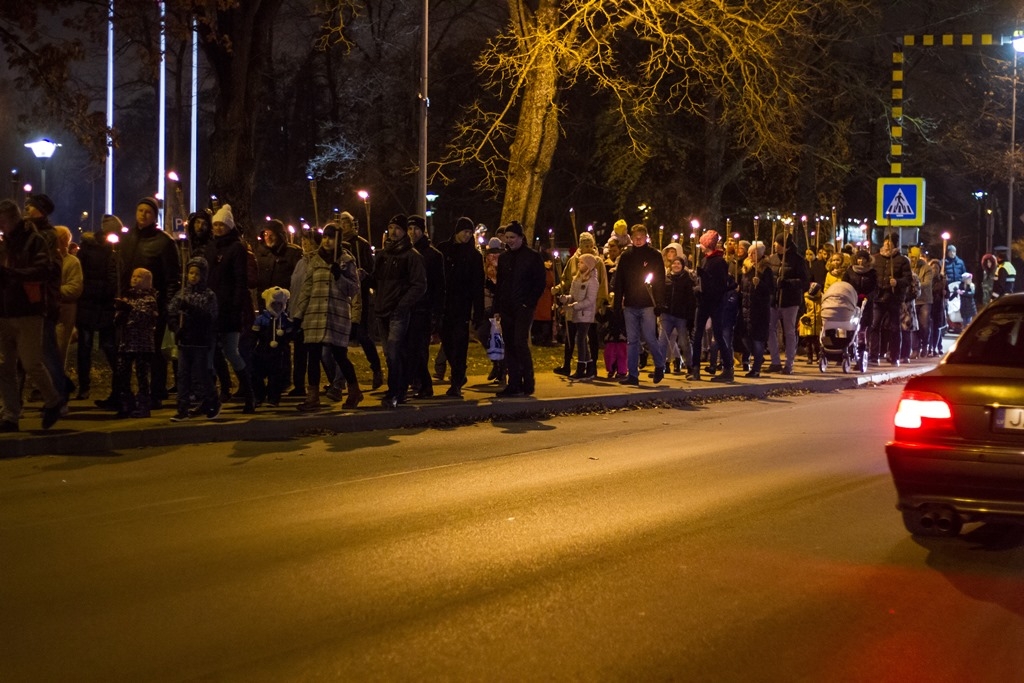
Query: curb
[{"x": 267, "y": 427}]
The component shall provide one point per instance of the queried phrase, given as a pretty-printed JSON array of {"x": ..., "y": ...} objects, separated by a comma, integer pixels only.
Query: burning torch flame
[{"x": 647, "y": 280}]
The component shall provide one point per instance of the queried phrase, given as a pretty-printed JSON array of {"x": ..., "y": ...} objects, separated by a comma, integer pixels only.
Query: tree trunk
[
  {"x": 238, "y": 48},
  {"x": 533, "y": 149}
]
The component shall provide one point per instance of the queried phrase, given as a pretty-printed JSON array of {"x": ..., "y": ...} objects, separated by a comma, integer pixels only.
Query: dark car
[{"x": 958, "y": 452}]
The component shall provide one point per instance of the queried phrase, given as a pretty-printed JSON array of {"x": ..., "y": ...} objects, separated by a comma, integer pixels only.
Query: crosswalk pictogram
[{"x": 899, "y": 207}]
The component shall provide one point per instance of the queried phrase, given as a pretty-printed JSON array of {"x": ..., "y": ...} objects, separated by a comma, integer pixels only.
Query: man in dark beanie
[
  {"x": 894, "y": 280},
  {"x": 400, "y": 281},
  {"x": 521, "y": 281},
  {"x": 425, "y": 321},
  {"x": 463, "y": 299},
  {"x": 24, "y": 265},
  {"x": 38, "y": 208},
  {"x": 147, "y": 246}
]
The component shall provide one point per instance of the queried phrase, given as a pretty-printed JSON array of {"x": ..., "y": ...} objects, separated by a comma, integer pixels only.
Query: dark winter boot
[
  {"x": 246, "y": 391},
  {"x": 725, "y": 376},
  {"x": 141, "y": 406},
  {"x": 590, "y": 371},
  {"x": 493, "y": 375},
  {"x": 581, "y": 371}
]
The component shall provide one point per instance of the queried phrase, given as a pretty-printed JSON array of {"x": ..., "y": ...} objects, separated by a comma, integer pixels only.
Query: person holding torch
[{"x": 639, "y": 292}]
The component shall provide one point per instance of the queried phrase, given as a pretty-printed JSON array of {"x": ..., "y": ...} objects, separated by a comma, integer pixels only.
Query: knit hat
[
  {"x": 620, "y": 227},
  {"x": 495, "y": 246},
  {"x": 277, "y": 227},
  {"x": 590, "y": 260},
  {"x": 587, "y": 241},
  {"x": 330, "y": 230},
  {"x": 400, "y": 220},
  {"x": 757, "y": 246},
  {"x": 41, "y": 202},
  {"x": 418, "y": 222},
  {"x": 151, "y": 202},
  {"x": 709, "y": 240},
  {"x": 110, "y": 224},
  {"x": 966, "y": 276},
  {"x": 746, "y": 245},
  {"x": 515, "y": 228},
  {"x": 464, "y": 224},
  {"x": 224, "y": 216}
]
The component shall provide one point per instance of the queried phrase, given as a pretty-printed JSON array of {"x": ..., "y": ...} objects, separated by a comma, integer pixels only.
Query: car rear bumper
[{"x": 980, "y": 483}]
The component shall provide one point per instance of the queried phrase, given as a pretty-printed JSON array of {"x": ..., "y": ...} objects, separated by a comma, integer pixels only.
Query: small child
[
  {"x": 582, "y": 301},
  {"x": 272, "y": 328},
  {"x": 810, "y": 323},
  {"x": 192, "y": 314},
  {"x": 968, "y": 304},
  {"x": 136, "y": 319}
]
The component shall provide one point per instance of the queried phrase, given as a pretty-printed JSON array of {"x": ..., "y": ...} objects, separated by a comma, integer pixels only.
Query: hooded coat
[
  {"x": 193, "y": 310},
  {"x": 792, "y": 277},
  {"x": 276, "y": 264}
]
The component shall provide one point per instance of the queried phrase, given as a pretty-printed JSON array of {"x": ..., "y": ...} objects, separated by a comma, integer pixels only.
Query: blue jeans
[
  {"x": 670, "y": 324},
  {"x": 641, "y": 322},
  {"x": 395, "y": 329}
]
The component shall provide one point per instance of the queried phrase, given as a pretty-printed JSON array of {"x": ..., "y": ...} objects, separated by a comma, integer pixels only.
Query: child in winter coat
[
  {"x": 810, "y": 323},
  {"x": 273, "y": 329},
  {"x": 582, "y": 302},
  {"x": 968, "y": 304},
  {"x": 136, "y": 319},
  {"x": 192, "y": 314}
]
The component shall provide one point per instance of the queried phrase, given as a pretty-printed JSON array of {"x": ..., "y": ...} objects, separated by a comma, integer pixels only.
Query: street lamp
[
  {"x": 365, "y": 196},
  {"x": 1018, "y": 47},
  {"x": 43, "y": 149}
]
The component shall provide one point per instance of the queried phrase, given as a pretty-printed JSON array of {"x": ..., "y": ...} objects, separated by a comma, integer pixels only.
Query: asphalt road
[{"x": 737, "y": 541}]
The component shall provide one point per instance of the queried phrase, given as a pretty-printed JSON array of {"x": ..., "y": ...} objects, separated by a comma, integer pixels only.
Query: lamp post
[
  {"x": 43, "y": 149},
  {"x": 1018, "y": 46},
  {"x": 431, "y": 198},
  {"x": 365, "y": 196}
]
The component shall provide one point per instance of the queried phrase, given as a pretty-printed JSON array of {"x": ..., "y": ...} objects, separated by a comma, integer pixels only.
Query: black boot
[
  {"x": 246, "y": 391},
  {"x": 493, "y": 374},
  {"x": 581, "y": 371},
  {"x": 591, "y": 370}
]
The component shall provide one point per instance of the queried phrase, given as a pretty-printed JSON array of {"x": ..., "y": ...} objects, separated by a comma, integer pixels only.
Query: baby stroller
[{"x": 842, "y": 340}]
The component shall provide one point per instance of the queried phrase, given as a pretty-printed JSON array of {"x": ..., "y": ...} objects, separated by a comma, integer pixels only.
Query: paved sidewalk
[{"x": 89, "y": 430}]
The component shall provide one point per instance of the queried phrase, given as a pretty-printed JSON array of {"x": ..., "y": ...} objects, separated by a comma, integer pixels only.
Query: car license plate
[{"x": 1009, "y": 419}]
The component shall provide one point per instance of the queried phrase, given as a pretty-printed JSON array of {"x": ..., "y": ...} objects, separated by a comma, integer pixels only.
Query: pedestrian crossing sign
[{"x": 900, "y": 201}]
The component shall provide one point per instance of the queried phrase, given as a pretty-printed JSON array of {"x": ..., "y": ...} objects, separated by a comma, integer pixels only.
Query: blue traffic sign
[{"x": 900, "y": 201}]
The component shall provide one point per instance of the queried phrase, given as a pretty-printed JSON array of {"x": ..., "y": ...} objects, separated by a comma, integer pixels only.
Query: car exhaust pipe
[
  {"x": 946, "y": 521},
  {"x": 929, "y": 520}
]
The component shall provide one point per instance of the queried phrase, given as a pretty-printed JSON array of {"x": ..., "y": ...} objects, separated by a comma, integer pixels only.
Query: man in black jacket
[
  {"x": 400, "y": 281},
  {"x": 361, "y": 332},
  {"x": 792, "y": 279},
  {"x": 425, "y": 320},
  {"x": 25, "y": 264},
  {"x": 521, "y": 281},
  {"x": 463, "y": 300},
  {"x": 147, "y": 246},
  {"x": 894, "y": 280},
  {"x": 639, "y": 290}
]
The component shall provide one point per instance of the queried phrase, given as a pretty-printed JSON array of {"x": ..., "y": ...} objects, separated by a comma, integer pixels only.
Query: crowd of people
[{"x": 212, "y": 317}]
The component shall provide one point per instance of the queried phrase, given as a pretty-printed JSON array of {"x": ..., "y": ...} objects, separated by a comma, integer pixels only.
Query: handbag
[{"x": 495, "y": 342}]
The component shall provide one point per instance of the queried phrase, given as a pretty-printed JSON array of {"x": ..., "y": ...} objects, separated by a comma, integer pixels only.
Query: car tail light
[{"x": 917, "y": 406}]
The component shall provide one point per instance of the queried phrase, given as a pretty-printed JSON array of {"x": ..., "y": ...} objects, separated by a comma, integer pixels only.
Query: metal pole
[
  {"x": 162, "y": 133},
  {"x": 193, "y": 171},
  {"x": 108, "y": 191},
  {"x": 424, "y": 103},
  {"x": 1013, "y": 155}
]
